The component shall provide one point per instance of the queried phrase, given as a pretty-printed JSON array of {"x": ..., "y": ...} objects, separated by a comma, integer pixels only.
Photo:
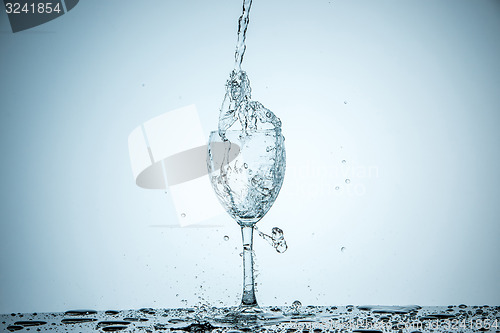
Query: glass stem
[{"x": 248, "y": 299}]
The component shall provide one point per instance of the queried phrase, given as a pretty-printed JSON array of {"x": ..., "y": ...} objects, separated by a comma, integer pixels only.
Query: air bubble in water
[
  {"x": 347, "y": 181},
  {"x": 183, "y": 215},
  {"x": 337, "y": 188},
  {"x": 245, "y": 165},
  {"x": 343, "y": 161},
  {"x": 342, "y": 249},
  {"x": 226, "y": 238},
  {"x": 345, "y": 102}
]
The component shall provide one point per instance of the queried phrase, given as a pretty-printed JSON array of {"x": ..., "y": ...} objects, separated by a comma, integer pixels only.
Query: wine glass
[{"x": 246, "y": 170}]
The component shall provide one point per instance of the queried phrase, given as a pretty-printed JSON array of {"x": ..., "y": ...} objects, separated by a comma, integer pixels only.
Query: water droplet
[
  {"x": 343, "y": 161},
  {"x": 80, "y": 312},
  {"x": 347, "y": 181},
  {"x": 296, "y": 305},
  {"x": 138, "y": 319},
  {"x": 27, "y": 323},
  {"x": 77, "y": 320},
  {"x": 183, "y": 215},
  {"x": 112, "y": 312},
  {"x": 337, "y": 188},
  {"x": 342, "y": 249},
  {"x": 112, "y": 323},
  {"x": 226, "y": 238}
]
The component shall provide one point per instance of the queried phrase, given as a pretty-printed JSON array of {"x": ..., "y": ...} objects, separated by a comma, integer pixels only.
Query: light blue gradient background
[{"x": 422, "y": 84}]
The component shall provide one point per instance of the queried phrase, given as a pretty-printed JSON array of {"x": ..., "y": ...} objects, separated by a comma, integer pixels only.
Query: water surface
[{"x": 295, "y": 318}]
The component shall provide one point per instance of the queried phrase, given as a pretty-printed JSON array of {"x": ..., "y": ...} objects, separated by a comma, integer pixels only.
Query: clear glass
[{"x": 246, "y": 170}]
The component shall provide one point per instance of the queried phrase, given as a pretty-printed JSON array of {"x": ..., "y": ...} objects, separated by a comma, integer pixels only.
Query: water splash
[
  {"x": 276, "y": 240},
  {"x": 248, "y": 185},
  {"x": 296, "y": 305},
  {"x": 237, "y": 104}
]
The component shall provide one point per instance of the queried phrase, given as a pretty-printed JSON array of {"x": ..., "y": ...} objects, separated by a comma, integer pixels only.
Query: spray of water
[{"x": 276, "y": 240}]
